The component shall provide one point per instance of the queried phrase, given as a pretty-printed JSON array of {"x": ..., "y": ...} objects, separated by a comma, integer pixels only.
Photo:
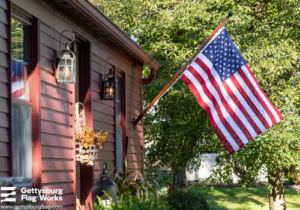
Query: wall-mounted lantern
[
  {"x": 109, "y": 85},
  {"x": 66, "y": 64}
]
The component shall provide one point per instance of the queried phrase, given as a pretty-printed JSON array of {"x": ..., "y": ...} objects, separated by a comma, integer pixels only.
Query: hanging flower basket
[{"x": 88, "y": 144}]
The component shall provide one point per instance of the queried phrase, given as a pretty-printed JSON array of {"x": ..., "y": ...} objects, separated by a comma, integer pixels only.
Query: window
[
  {"x": 21, "y": 107},
  {"x": 19, "y": 58}
]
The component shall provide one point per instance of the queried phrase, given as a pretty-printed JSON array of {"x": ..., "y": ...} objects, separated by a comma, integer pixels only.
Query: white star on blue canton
[{"x": 222, "y": 47}]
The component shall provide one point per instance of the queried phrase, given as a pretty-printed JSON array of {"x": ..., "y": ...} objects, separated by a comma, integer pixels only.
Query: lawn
[{"x": 250, "y": 198}]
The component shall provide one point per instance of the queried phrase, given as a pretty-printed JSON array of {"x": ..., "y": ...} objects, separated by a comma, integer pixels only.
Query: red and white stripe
[
  {"x": 18, "y": 87},
  {"x": 237, "y": 108}
]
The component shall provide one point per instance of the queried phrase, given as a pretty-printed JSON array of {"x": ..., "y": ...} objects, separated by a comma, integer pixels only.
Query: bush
[
  {"x": 133, "y": 203},
  {"x": 187, "y": 200},
  {"x": 130, "y": 185},
  {"x": 292, "y": 174},
  {"x": 207, "y": 191}
]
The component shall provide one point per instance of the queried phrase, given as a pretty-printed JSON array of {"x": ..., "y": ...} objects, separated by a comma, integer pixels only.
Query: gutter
[{"x": 150, "y": 78}]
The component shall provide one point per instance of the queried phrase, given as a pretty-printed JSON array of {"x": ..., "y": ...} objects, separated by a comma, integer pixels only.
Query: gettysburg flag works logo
[{"x": 5, "y": 196}]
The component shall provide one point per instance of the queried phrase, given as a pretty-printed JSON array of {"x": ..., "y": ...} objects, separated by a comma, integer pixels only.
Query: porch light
[
  {"x": 109, "y": 85},
  {"x": 66, "y": 64}
]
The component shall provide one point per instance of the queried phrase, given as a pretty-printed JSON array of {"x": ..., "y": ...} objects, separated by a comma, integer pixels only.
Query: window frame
[
  {"x": 34, "y": 88},
  {"x": 123, "y": 123},
  {"x": 23, "y": 102}
]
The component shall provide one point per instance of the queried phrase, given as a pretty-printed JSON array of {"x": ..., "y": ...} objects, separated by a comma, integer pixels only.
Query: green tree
[{"x": 267, "y": 35}]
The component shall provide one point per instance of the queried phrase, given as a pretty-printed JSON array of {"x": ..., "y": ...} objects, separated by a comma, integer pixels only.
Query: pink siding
[
  {"x": 104, "y": 115},
  {"x": 4, "y": 90},
  {"x": 103, "y": 118},
  {"x": 57, "y": 101},
  {"x": 135, "y": 136},
  {"x": 57, "y": 105}
]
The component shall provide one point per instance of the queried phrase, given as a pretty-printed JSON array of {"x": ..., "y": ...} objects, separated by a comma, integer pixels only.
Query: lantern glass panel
[
  {"x": 109, "y": 92},
  {"x": 74, "y": 73},
  {"x": 67, "y": 68}
]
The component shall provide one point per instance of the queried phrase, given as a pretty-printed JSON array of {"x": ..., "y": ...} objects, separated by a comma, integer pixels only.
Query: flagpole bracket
[{"x": 135, "y": 121}]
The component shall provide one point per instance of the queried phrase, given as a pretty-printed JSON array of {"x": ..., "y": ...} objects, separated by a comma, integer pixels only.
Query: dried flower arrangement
[
  {"x": 87, "y": 137},
  {"x": 87, "y": 144}
]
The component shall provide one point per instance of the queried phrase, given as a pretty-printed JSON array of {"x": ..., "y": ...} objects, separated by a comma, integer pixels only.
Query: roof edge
[{"x": 95, "y": 15}]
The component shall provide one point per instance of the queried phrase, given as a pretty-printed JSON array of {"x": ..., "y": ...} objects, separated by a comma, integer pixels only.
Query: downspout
[{"x": 150, "y": 78}]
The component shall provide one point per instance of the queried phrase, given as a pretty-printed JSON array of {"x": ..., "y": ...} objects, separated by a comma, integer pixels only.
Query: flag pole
[{"x": 135, "y": 121}]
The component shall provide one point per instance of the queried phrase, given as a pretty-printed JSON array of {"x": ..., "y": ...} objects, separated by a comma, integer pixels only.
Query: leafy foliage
[
  {"x": 247, "y": 170},
  {"x": 293, "y": 175},
  {"x": 18, "y": 41},
  {"x": 266, "y": 34},
  {"x": 164, "y": 180},
  {"x": 130, "y": 186},
  {"x": 187, "y": 200},
  {"x": 192, "y": 198},
  {"x": 133, "y": 203}
]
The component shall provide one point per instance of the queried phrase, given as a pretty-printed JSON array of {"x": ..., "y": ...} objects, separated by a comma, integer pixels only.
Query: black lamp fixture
[
  {"x": 66, "y": 63},
  {"x": 109, "y": 85}
]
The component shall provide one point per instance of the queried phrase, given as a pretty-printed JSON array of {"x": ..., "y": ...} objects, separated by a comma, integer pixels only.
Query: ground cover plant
[
  {"x": 238, "y": 198},
  {"x": 133, "y": 203},
  {"x": 191, "y": 199}
]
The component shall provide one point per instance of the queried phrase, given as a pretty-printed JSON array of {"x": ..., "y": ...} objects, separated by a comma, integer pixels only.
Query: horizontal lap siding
[
  {"x": 134, "y": 107},
  {"x": 103, "y": 118},
  {"x": 57, "y": 108},
  {"x": 4, "y": 91}
]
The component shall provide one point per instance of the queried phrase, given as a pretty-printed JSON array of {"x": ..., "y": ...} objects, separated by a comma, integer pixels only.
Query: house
[{"x": 37, "y": 121}]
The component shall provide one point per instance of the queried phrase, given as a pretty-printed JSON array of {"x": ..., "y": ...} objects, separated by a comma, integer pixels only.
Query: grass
[{"x": 250, "y": 198}]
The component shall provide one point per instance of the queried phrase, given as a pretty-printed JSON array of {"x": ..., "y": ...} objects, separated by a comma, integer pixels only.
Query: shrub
[
  {"x": 133, "y": 203},
  {"x": 130, "y": 185},
  {"x": 187, "y": 200},
  {"x": 207, "y": 191},
  {"x": 292, "y": 174},
  {"x": 246, "y": 169}
]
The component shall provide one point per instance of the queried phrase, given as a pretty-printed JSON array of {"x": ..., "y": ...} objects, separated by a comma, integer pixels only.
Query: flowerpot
[{"x": 86, "y": 156}]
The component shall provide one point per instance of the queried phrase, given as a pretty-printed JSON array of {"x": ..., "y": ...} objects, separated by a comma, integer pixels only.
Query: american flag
[
  {"x": 225, "y": 87},
  {"x": 18, "y": 84}
]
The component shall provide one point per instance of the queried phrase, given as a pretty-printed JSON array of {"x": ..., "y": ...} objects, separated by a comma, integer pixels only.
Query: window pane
[
  {"x": 21, "y": 139},
  {"x": 19, "y": 57}
]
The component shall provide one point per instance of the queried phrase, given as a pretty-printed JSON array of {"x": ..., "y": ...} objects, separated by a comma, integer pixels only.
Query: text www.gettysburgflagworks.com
[{"x": 30, "y": 207}]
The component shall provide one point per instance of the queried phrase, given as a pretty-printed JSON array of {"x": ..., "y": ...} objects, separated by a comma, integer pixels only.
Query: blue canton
[{"x": 224, "y": 55}]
